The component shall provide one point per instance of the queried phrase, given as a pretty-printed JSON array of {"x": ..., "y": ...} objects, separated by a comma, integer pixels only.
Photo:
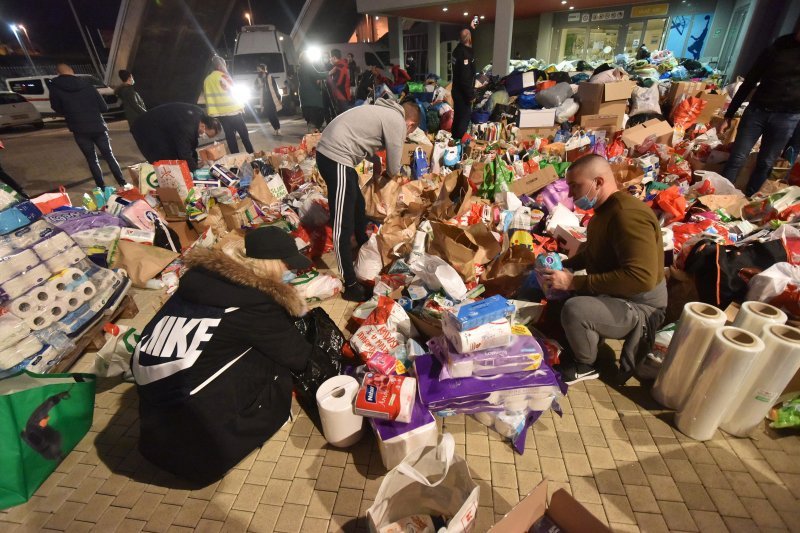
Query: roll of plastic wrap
[
  {"x": 49, "y": 248},
  {"x": 23, "y": 283},
  {"x": 12, "y": 330},
  {"x": 65, "y": 259},
  {"x": 725, "y": 366},
  {"x": 14, "y": 355},
  {"x": 767, "y": 379},
  {"x": 753, "y": 316},
  {"x": 340, "y": 426},
  {"x": 16, "y": 264},
  {"x": 696, "y": 329},
  {"x": 39, "y": 321}
]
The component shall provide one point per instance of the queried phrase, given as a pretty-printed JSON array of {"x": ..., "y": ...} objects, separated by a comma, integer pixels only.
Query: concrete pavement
[{"x": 43, "y": 160}]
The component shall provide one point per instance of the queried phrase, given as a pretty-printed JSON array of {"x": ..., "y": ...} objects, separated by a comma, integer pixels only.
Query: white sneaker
[{"x": 278, "y": 133}]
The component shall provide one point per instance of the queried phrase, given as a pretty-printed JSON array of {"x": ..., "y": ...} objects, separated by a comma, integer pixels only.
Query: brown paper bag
[
  {"x": 462, "y": 247},
  {"x": 259, "y": 191},
  {"x": 627, "y": 175},
  {"x": 380, "y": 198},
  {"x": 143, "y": 262},
  {"x": 455, "y": 198},
  {"x": 395, "y": 237},
  {"x": 507, "y": 273}
]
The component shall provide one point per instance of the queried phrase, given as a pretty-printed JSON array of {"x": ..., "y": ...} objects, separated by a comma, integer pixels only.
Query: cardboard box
[
  {"x": 563, "y": 509},
  {"x": 213, "y": 152},
  {"x": 532, "y": 183},
  {"x": 529, "y": 134},
  {"x": 537, "y": 118},
  {"x": 730, "y": 135},
  {"x": 714, "y": 105},
  {"x": 637, "y": 134},
  {"x": 173, "y": 204},
  {"x": 611, "y": 123},
  {"x": 408, "y": 152},
  {"x": 680, "y": 88},
  {"x": 569, "y": 239},
  {"x": 604, "y": 98},
  {"x": 186, "y": 232},
  {"x": 240, "y": 214}
]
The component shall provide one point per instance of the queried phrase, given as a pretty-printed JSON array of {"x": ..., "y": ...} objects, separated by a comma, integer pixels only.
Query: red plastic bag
[
  {"x": 293, "y": 178},
  {"x": 685, "y": 114},
  {"x": 680, "y": 167},
  {"x": 672, "y": 202},
  {"x": 616, "y": 148}
]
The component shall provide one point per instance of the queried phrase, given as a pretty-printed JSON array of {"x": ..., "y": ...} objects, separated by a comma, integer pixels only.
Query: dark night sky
[{"x": 52, "y": 27}]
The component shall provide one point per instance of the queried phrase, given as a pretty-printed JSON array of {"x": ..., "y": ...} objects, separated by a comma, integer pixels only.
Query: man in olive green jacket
[{"x": 132, "y": 103}]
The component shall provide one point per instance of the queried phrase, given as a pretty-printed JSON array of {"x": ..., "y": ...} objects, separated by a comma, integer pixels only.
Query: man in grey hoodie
[
  {"x": 350, "y": 138},
  {"x": 83, "y": 108}
]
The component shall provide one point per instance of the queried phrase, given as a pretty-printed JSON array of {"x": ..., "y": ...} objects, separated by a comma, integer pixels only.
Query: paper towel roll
[
  {"x": 39, "y": 321},
  {"x": 696, "y": 329},
  {"x": 12, "y": 330},
  {"x": 10, "y": 357},
  {"x": 18, "y": 286},
  {"x": 49, "y": 248},
  {"x": 16, "y": 264},
  {"x": 753, "y": 316},
  {"x": 340, "y": 426},
  {"x": 725, "y": 367},
  {"x": 767, "y": 379},
  {"x": 65, "y": 259}
]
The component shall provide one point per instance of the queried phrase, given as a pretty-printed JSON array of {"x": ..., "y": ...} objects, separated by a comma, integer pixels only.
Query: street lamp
[
  {"x": 249, "y": 20},
  {"x": 16, "y": 28}
]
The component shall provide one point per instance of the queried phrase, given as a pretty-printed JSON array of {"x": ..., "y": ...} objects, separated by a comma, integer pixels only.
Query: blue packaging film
[{"x": 471, "y": 315}]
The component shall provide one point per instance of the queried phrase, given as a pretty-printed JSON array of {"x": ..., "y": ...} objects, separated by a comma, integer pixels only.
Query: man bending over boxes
[{"x": 623, "y": 294}]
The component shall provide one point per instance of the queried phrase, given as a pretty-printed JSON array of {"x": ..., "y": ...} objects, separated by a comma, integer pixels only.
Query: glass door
[
  {"x": 654, "y": 34},
  {"x": 634, "y": 39},
  {"x": 572, "y": 44},
  {"x": 602, "y": 43}
]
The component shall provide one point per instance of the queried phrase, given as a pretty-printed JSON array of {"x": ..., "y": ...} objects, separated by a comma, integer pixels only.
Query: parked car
[
  {"x": 15, "y": 110},
  {"x": 36, "y": 89}
]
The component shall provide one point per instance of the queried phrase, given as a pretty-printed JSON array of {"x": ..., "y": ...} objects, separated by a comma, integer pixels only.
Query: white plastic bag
[
  {"x": 314, "y": 286},
  {"x": 437, "y": 274},
  {"x": 369, "y": 264},
  {"x": 433, "y": 481},
  {"x": 720, "y": 184},
  {"x": 773, "y": 281},
  {"x": 645, "y": 100},
  {"x": 567, "y": 110},
  {"x": 114, "y": 358}
]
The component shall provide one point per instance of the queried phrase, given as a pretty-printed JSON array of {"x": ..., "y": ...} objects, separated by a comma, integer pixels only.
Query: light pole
[
  {"x": 15, "y": 28},
  {"x": 249, "y": 20}
]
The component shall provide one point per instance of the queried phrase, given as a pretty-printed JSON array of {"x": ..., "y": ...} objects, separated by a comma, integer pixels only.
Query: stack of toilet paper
[{"x": 51, "y": 301}]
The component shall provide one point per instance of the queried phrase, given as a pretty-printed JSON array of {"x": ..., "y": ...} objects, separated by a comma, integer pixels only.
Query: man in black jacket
[
  {"x": 463, "y": 83},
  {"x": 132, "y": 103},
  {"x": 773, "y": 112},
  {"x": 171, "y": 131},
  {"x": 83, "y": 107}
]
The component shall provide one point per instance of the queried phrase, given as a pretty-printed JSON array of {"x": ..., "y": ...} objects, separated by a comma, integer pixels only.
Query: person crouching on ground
[
  {"x": 212, "y": 368},
  {"x": 623, "y": 295},
  {"x": 350, "y": 138}
]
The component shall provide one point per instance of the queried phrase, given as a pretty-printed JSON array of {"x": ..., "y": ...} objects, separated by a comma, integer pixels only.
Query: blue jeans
[
  {"x": 775, "y": 130},
  {"x": 86, "y": 142}
]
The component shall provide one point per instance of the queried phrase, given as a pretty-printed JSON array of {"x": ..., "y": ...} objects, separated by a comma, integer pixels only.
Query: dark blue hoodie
[{"x": 79, "y": 102}]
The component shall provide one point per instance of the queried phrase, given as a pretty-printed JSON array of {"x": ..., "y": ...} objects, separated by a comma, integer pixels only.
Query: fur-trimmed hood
[{"x": 217, "y": 279}]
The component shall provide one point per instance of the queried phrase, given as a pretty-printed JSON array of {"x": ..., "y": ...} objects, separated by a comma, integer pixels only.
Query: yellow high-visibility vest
[{"x": 219, "y": 101}]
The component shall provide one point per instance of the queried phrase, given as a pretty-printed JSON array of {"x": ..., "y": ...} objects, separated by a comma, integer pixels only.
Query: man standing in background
[
  {"x": 463, "y": 83},
  {"x": 221, "y": 104},
  {"x": 83, "y": 108},
  {"x": 132, "y": 103}
]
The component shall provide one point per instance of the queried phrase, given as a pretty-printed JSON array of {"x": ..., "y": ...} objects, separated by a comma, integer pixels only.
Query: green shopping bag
[{"x": 42, "y": 418}]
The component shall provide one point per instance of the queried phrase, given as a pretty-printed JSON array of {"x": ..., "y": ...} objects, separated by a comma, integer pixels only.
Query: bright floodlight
[
  {"x": 241, "y": 93},
  {"x": 314, "y": 53}
]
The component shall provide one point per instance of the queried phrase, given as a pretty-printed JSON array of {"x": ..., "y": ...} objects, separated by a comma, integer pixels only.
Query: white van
[
  {"x": 256, "y": 45},
  {"x": 36, "y": 89}
]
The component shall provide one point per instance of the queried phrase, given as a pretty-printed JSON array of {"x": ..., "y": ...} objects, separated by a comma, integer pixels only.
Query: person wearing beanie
[
  {"x": 213, "y": 368},
  {"x": 132, "y": 103}
]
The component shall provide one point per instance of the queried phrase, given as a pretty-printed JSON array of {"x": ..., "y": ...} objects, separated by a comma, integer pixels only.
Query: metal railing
[{"x": 22, "y": 71}]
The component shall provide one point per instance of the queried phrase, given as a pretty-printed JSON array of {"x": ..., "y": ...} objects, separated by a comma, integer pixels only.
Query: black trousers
[
  {"x": 11, "y": 182},
  {"x": 348, "y": 212},
  {"x": 462, "y": 109},
  {"x": 232, "y": 125},
  {"x": 87, "y": 142},
  {"x": 270, "y": 112},
  {"x": 314, "y": 116}
]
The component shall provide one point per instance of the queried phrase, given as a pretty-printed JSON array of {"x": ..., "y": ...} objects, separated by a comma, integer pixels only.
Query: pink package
[
  {"x": 383, "y": 363},
  {"x": 140, "y": 214}
]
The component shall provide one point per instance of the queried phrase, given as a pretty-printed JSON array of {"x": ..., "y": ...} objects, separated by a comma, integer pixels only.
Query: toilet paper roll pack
[
  {"x": 51, "y": 247},
  {"x": 34, "y": 302},
  {"x": 14, "y": 355},
  {"x": 754, "y": 316},
  {"x": 66, "y": 259},
  {"x": 67, "y": 280},
  {"x": 40, "y": 321},
  {"x": 29, "y": 235},
  {"x": 396, "y": 440},
  {"x": 12, "y": 330},
  {"x": 340, "y": 426},
  {"x": 696, "y": 328},
  {"x": 21, "y": 284},
  {"x": 772, "y": 371},
  {"x": 729, "y": 358},
  {"x": 17, "y": 263}
]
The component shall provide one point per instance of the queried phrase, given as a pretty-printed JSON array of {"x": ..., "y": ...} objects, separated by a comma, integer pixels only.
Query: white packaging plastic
[
  {"x": 492, "y": 335},
  {"x": 725, "y": 366},
  {"x": 696, "y": 329},
  {"x": 754, "y": 316}
]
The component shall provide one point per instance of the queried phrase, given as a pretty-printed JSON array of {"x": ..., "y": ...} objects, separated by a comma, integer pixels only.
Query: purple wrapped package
[
  {"x": 396, "y": 440},
  {"x": 554, "y": 194},
  {"x": 523, "y": 354},
  {"x": 76, "y": 220}
]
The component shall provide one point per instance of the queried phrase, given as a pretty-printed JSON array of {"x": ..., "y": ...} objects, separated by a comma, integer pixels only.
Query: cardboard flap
[
  {"x": 572, "y": 516},
  {"x": 534, "y": 182},
  {"x": 610, "y": 123},
  {"x": 618, "y": 90},
  {"x": 525, "y": 513},
  {"x": 636, "y": 135},
  {"x": 732, "y": 203}
]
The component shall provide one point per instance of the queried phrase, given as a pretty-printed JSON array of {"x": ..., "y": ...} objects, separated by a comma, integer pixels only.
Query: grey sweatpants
[{"x": 587, "y": 319}]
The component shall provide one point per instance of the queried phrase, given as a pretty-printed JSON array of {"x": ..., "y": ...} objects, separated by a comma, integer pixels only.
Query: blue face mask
[
  {"x": 585, "y": 203},
  {"x": 288, "y": 276}
]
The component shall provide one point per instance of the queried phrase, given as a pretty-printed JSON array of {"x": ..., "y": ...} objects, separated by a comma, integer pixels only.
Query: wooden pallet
[{"x": 94, "y": 337}]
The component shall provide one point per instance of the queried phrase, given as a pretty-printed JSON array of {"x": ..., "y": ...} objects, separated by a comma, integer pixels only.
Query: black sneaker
[
  {"x": 574, "y": 373},
  {"x": 356, "y": 292}
]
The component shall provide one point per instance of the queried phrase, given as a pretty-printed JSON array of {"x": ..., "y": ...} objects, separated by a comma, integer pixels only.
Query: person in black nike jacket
[{"x": 213, "y": 367}]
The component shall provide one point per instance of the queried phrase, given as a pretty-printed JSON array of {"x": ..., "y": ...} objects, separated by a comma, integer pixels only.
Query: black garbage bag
[{"x": 326, "y": 358}]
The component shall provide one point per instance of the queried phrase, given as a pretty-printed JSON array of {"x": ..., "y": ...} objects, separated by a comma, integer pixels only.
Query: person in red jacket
[
  {"x": 339, "y": 81},
  {"x": 400, "y": 75}
]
